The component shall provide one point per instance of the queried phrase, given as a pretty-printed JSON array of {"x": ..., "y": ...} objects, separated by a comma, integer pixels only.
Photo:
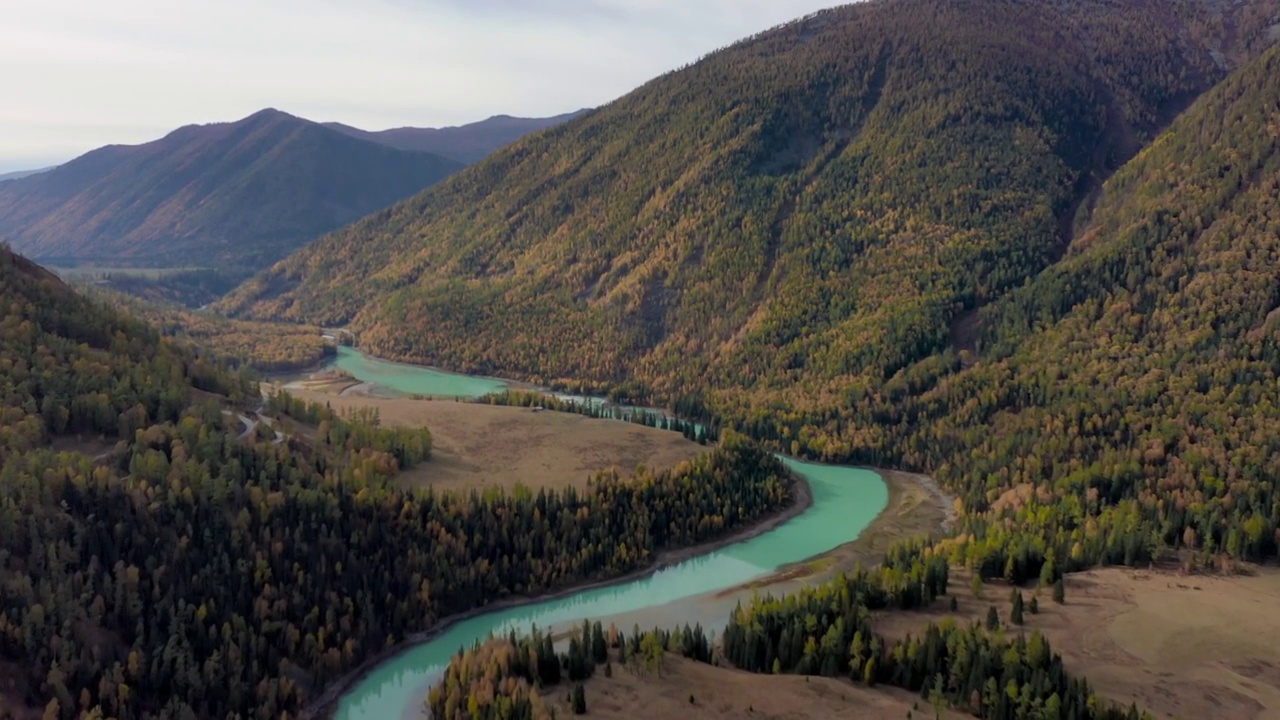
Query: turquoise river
[{"x": 845, "y": 501}]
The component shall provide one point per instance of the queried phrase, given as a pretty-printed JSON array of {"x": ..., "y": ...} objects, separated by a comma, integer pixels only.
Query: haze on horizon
[{"x": 81, "y": 74}]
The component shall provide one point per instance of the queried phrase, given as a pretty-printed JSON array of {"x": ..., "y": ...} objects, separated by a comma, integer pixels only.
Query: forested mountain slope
[
  {"x": 192, "y": 571},
  {"x": 803, "y": 213},
  {"x": 241, "y": 194},
  {"x": 466, "y": 144},
  {"x": 1129, "y": 391}
]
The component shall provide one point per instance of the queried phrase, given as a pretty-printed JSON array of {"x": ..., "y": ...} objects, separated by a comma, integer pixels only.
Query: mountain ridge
[
  {"x": 467, "y": 143},
  {"x": 240, "y": 193}
]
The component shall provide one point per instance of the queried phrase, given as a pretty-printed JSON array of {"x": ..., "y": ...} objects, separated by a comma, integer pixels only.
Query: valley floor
[
  {"x": 1179, "y": 646},
  {"x": 478, "y": 446},
  {"x": 632, "y": 694},
  {"x": 1182, "y": 647}
]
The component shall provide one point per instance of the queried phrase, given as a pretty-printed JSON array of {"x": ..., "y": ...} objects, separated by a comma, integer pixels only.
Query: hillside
[
  {"x": 158, "y": 561},
  {"x": 240, "y": 194},
  {"x": 1110, "y": 388},
  {"x": 466, "y": 144},
  {"x": 802, "y": 213}
]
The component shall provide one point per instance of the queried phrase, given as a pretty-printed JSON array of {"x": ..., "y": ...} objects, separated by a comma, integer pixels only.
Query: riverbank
[
  {"x": 917, "y": 507},
  {"x": 324, "y": 706}
]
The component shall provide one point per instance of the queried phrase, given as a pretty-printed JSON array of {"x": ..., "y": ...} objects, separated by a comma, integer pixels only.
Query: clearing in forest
[
  {"x": 480, "y": 446},
  {"x": 1179, "y": 646}
]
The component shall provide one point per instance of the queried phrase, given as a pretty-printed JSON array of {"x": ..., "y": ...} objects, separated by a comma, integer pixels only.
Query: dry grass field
[
  {"x": 1185, "y": 647},
  {"x": 1190, "y": 647},
  {"x": 724, "y": 693},
  {"x": 478, "y": 446}
]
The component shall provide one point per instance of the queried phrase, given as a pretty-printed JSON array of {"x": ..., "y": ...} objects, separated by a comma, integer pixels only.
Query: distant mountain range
[
  {"x": 231, "y": 195},
  {"x": 465, "y": 143},
  {"x": 18, "y": 174},
  {"x": 244, "y": 193}
]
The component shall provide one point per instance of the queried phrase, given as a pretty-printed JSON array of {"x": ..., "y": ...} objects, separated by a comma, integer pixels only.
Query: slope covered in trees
[
  {"x": 241, "y": 194},
  {"x": 802, "y": 213},
  {"x": 1112, "y": 390},
  {"x": 266, "y": 347},
  {"x": 1125, "y": 399},
  {"x": 192, "y": 573}
]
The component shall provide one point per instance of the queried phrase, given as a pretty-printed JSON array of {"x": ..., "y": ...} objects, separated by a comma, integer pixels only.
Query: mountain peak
[{"x": 269, "y": 114}]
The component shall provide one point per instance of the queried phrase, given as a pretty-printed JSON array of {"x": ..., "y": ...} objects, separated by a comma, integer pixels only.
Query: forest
[
  {"x": 265, "y": 347},
  {"x": 1041, "y": 266},
  {"x": 796, "y": 216},
  {"x": 825, "y": 630},
  {"x": 1046, "y": 278},
  {"x": 187, "y": 574},
  {"x": 504, "y": 678}
]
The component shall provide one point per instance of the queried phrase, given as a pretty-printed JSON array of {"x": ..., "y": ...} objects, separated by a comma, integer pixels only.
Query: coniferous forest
[
  {"x": 1042, "y": 266},
  {"x": 185, "y": 572},
  {"x": 896, "y": 234}
]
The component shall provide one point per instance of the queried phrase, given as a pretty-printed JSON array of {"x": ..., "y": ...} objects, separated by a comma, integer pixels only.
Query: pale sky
[{"x": 78, "y": 74}]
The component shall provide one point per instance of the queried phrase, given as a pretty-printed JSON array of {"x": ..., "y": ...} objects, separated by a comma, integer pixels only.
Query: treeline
[
  {"x": 696, "y": 431},
  {"x": 358, "y": 431},
  {"x": 194, "y": 575},
  {"x": 506, "y": 679}
]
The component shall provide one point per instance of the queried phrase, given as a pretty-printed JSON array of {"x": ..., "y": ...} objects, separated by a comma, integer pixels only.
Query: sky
[{"x": 79, "y": 74}]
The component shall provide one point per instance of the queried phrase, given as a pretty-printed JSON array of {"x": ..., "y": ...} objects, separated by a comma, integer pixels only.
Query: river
[{"x": 845, "y": 501}]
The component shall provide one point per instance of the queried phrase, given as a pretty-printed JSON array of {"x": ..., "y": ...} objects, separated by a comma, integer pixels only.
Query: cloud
[{"x": 82, "y": 73}]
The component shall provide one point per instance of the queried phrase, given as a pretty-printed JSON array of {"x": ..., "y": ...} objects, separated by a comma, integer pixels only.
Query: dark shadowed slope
[
  {"x": 802, "y": 214},
  {"x": 244, "y": 193},
  {"x": 468, "y": 143}
]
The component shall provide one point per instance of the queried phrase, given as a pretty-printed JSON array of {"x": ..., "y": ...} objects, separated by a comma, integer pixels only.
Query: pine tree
[
  {"x": 1015, "y": 615},
  {"x": 993, "y": 618},
  {"x": 579, "y": 700},
  {"x": 1060, "y": 590}
]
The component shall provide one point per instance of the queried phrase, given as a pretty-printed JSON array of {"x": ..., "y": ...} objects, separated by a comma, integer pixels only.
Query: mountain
[
  {"x": 243, "y": 194},
  {"x": 803, "y": 214},
  {"x": 1040, "y": 265},
  {"x": 17, "y": 174},
  {"x": 466, "y": 144}
]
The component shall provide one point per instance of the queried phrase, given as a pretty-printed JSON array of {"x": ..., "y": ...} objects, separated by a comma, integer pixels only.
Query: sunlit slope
[{"x": 801, "y": 213}]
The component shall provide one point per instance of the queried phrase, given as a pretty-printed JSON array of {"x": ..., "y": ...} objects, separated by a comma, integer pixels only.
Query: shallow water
[
  {"x": 412, "y": 379},
  {"x": 845, "y": 500}
]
